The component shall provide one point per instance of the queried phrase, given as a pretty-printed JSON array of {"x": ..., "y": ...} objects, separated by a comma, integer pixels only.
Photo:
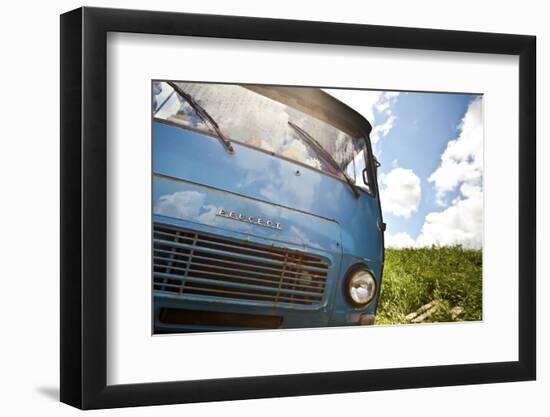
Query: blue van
[{"x": 266, "y": 211}]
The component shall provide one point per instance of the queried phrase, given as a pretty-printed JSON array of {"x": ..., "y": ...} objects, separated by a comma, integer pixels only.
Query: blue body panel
[{"x": 194, "y": 177}]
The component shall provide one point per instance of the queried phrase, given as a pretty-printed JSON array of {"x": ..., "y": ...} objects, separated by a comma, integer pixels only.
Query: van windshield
[{"x": 255, "y": 120}]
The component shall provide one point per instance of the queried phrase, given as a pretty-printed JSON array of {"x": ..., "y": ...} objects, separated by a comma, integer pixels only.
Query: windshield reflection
[{"x": 258, "y": 121}]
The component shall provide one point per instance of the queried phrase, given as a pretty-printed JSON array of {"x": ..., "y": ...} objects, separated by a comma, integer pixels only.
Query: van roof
[{"x": 316, "y": 103}]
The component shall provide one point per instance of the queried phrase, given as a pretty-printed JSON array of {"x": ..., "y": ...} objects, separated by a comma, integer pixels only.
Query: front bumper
[
  {"x": 204, "y": 281},
  {"x": 284, "y": 318},
  {"x": 255, "y": 317}
]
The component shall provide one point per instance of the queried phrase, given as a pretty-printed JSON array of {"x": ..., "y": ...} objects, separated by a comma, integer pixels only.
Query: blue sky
[{"x": 430, "y": 146}]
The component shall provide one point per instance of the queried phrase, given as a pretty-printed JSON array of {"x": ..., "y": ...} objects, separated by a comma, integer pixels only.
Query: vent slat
[
  {"x": 271, "y": 273},
  {"x": 300, "y": 283},
  {"x": 242, "y": 295},
  {"x": 263, "y": 249},
  {"x": 217, "y": 260},
  {"x": 193, "y": 278},
  {"x": 199, "y": 264},
  {"x": 233, "y": 254}
]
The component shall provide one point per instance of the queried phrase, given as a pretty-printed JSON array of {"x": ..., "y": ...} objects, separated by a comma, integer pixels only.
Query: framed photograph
[{"x": 257, "y": 208}]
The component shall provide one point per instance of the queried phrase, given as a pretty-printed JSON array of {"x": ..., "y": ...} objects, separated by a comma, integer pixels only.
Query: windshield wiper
[
  {"x": 204, "y": 115},
  {"x": 318, "y": 148}
]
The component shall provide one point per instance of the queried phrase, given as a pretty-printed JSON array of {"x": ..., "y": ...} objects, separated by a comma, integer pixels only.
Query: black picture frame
[{"x": 84, "y": 207}]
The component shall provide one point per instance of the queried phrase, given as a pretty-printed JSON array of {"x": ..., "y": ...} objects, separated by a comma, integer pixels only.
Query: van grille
[{"x": 190, "y": 262}]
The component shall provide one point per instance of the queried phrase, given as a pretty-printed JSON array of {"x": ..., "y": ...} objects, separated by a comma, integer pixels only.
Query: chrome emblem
[{"x": 249, "y": 219}]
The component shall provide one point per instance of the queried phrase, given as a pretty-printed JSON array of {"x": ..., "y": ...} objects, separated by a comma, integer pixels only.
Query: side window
[
  {"x": 360, "y": 166},
  {"x": 350, "y": 170},
  {"x": 358, "y": 170}
]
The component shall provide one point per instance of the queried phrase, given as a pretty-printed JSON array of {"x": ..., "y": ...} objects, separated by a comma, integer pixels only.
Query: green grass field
[{"x": 446, "y": 280}]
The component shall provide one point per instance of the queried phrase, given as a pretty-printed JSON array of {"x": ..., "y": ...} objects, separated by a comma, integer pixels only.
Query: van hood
[
  {"x": 195, "y": 178},
  {"x": 219, "y": 209}
]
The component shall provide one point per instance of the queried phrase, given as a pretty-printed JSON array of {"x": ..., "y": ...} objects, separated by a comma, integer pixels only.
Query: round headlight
[{"x": 361, "y": 287}]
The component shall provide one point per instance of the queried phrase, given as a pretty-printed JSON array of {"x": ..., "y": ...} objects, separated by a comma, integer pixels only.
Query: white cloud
[
  {"x": 188, "y": 205},
  {"x": 399, "y": 240},
  {"x": 462, "y": 160},
  {"x": 400, "y": 192},
  {"x": 385, "y": 101},
  {"x": 461, "y": 168},
  {"x": 362, "y": 101},
  {"x": 381, "y": 130},
  {"x": 181, "y": 204},
  {"x": 366, "y": 102},
  {"x": 459, "y": 224}
]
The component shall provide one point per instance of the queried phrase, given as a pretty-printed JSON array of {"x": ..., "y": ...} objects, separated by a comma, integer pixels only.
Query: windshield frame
[
  {"x": 211, "y": 135},
  {"x": 371, "y": 189}
]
